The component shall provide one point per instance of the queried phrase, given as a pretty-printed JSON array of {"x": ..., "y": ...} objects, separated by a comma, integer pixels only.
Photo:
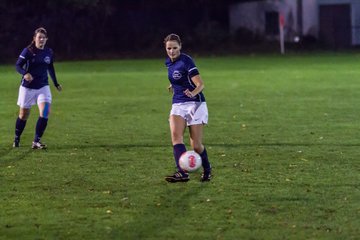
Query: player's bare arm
[{"x": 199, "y": 86}]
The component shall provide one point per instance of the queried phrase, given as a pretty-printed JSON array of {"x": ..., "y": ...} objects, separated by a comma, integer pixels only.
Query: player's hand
[
  {"x": 170, "y": 89},
  {"x": 189, "y": 93},
  {"x": 28, "y": 77},
  {"x": 59, "y": 88}
]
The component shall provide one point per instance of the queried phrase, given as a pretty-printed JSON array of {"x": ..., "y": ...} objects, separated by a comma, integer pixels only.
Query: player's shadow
[{"x": 172, "y": 204}]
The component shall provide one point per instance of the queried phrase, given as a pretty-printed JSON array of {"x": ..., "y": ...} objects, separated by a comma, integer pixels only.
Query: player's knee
[
  {"x": 46, "y": 111},
  {"x": 24, "y": 115}
]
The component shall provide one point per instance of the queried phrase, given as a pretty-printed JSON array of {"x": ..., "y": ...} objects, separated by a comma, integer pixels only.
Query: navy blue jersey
[
  {"x": 37, "y": 62},
  {"x": 180, "y": 73}
]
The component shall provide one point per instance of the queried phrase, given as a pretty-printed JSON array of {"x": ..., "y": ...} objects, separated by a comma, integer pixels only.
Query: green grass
[{"x": 283, "y": 139}]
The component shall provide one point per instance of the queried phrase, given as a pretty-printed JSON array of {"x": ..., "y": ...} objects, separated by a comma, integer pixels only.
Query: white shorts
[
  {"x": 28, "y": 97},
  {"x": 193, "y": 112}
]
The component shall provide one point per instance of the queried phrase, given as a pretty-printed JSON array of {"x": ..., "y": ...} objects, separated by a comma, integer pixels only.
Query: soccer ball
[{"x": 190, "y": 161}]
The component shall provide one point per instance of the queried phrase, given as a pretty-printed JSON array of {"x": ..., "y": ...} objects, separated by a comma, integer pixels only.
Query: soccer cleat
[
  {"x": 38, "y": 145},
  {"x": 16, "y": 143},
  {"x": 178, "y": 177},
  {"x": 206, "y": 176}
]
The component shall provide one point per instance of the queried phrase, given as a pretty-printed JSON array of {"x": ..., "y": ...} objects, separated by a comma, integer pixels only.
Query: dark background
[{"x": 99, "y": 29}]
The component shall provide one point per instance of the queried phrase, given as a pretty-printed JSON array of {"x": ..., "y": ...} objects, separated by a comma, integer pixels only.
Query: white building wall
[
  {"x": 336, "y": 1},
  {"x": 288, "y": 9},
  {"x": 251, "y": 16},
  {"x": 246, "y": 15},
  {"x": 310, "y": 26},
  {"x": 356, "y": 23}
]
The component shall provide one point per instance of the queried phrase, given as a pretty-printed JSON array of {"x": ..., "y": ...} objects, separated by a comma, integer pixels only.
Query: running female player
[
  {"x": 188, "y": 107},
  {"x": 34, "y": 64}
]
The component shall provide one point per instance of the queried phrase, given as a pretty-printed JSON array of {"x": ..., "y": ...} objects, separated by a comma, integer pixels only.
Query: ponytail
[{"x": 31, "y": 47}]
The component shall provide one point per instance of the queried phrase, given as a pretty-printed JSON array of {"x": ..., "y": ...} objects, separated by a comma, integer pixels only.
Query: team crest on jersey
[
  {"x": 176, "y": 75},
  {"x": 47, "y": 59}
]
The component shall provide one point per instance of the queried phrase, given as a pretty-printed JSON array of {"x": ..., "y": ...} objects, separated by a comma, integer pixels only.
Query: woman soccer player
[
  {"x": 188, "y": 107},
  {"x": 34, "y": 64}
]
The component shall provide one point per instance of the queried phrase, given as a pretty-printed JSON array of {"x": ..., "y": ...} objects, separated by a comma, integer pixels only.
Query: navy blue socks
[
  {"x": 19, "y": 128},
  {"x": 205, "y": 161},
  {"x": 40, "y": 128},
  {"x": 178, "y": 150}
]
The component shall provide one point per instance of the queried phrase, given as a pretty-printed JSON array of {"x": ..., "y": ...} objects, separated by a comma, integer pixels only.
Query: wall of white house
[
  {"x": 356, "y": 23},
  {"x": 310, "y": 18},
  {"x": 245, "y": 16},
  {"x": 251, "y": 15}
]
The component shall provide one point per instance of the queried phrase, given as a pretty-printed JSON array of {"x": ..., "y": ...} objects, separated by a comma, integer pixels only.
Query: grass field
[{"x": 283, "y": 139}]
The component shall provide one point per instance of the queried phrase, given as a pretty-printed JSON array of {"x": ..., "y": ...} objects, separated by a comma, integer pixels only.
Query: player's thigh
[
  {"x": 196, "y": 136},
  {"x": 177, "y": 128},
  {"x": 44, "y": 99}
]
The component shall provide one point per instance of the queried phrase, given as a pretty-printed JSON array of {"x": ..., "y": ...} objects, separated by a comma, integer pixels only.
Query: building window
[{"x": 272, "y": 23}]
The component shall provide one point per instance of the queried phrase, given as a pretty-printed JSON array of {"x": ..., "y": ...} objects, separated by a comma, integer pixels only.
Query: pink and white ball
[{"x": 190, "y": 161}]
